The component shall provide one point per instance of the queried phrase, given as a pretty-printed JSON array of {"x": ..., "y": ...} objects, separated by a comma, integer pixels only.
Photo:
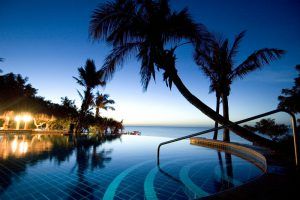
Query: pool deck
[
  {"x": 268, "y": 186},
  {"x": 280, "y": 181}
]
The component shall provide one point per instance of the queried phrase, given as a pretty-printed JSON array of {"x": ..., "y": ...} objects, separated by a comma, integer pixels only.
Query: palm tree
[
  {"x": 89, "y": 77},
  {"x": 290, "y": 98},
  {"x": 151, "y": 31},
  {"x": 217, "y": 62},
  {"x": 1, "y": 60},
  {"x": 102, "y": 102}
]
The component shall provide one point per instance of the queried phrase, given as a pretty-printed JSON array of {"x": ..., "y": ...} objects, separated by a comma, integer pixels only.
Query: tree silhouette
[
  {"x": 290, "y": 98},
  {"x": 218, "y": 63},
  {"x": 151, "y": 31},
  {"x": 270, "y": 128},
  {"x": 89, "y": 77},
  {"x": 1, "y": 60},
  {"x": 102, "y": 102}
]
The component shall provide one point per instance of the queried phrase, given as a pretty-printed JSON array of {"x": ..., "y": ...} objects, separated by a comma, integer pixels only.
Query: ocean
[{"x": 175, "y": 132}]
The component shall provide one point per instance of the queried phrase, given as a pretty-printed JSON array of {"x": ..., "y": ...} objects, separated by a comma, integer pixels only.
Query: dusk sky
[{"x": 48, "y": 40}]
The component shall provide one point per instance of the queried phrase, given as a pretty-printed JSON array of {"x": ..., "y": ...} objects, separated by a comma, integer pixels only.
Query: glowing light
[
  {"x": 18, "y": 118},
  {"x": 14, "y": 145},
  {"x": 27, "y": 118},
  {"x": 23, "y": 147}
]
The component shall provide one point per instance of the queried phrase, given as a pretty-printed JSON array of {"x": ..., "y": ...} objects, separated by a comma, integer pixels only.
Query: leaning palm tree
[
  {"x": 102, "y": 101},
  {"x": 217, "y": 62},
  {"x": 89, "y": 77},
  {"x": 151, "y": 31}
]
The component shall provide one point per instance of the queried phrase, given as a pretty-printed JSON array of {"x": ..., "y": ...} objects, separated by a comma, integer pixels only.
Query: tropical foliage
[
  {"x": 102, "y": 101},
  {"x": 151, "y": 31},
  {"x": 17, "y": 96},
  {"x": 269, "y": 128},
  {"x": 290, "y": 98},
  {"x": 217, "y": 61},
  {"x": 89, "y": 78}
]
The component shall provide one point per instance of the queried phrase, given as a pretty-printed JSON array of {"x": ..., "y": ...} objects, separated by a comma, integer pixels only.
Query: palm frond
[
  {"x": 116, "y": 59},
  {"x": 147, "y": 70},
  {"x": 180, "y": 25},
  {"x": 80, "y": 95},
  {"x": 256, "y": 60},
  {"x": 110, "y": 101},
  {"x": 80, "y": 82},
  {"x": 111, "y": 21},
  {"x": 203, "y": 57},
  {"x": 110, "y": 108},
  {"x": 236, "y": 43}
]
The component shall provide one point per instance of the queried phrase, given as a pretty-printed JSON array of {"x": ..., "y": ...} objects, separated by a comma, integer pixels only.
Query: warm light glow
[
  {"x": 14, "y": 145},
  {"x": 18, "y": 118},
  {"x": 23, "y": 147},
  {"x": 27, "y": 118}
]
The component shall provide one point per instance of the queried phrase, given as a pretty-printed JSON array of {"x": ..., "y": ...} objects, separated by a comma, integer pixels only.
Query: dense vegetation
[{"x": 18, "y": 96}]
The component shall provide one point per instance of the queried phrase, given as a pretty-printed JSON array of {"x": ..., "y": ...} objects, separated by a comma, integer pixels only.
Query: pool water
[{"x": 60, "y": 167}]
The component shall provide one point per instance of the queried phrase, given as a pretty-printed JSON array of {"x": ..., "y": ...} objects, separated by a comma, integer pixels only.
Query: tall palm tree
[
  {"x": 151, "y": 31},
  {"x": 217, "y": 62},
  {"x": 89, "y": 77},
  {"x": 102, "y": 102}
]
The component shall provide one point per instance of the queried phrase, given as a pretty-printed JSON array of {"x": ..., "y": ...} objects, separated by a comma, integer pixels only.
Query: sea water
[{"x": 175, "y": 132}]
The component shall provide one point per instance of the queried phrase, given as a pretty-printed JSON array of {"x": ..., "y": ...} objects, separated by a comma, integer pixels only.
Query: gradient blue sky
[{"x": 48, "y": 40}]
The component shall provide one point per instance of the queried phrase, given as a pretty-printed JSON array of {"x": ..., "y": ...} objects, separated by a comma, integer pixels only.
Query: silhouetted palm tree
[
  {"x": 102, "y": 102},
  {"x": 214, "y": 87},
  {"x": 1, "y": 60},
  {"x": 290, "y": 98},
  {"x": 151, "y": 31},
  {"x": 89, "y": 77},
  {"x": 217, "y": 62}
]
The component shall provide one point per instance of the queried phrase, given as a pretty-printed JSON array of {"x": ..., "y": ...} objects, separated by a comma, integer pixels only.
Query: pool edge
[{"x": 249, "y": 154}]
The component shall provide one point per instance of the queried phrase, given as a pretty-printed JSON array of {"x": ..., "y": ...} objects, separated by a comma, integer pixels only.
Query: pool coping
[
  {"x": 250, "y": 153},
  {"x": 254, "y": 156}
]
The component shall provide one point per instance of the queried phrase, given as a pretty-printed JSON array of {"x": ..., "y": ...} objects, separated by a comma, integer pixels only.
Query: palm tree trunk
[
  {"x": 242, "y": 132},
  {"x": 229, "y": 169},
  {"x": 83, "y": 110},
  {"x": 217, "y": 111},
  {"x": 97, "y": 112},
  {"x": 226, "y": 137}
]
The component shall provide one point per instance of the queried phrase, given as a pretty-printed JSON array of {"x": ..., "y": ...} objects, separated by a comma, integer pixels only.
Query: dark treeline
[{"x": 18, "y": 96}]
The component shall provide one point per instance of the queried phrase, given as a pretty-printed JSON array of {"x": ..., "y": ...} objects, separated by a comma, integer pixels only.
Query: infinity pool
[{"x": 59, "y": 167}]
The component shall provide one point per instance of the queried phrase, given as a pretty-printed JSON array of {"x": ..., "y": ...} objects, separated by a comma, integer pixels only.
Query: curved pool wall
[
  {"x": 59, "y": 167},
  {"x": 236, "y": 149}
]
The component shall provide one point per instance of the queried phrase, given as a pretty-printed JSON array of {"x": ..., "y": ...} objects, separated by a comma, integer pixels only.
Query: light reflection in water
[
  {"x": 85, "y": 166},
  {"x": 20, "y": 145},
  {"x": 23, "y": 147},
  {"x": 14, "y": 145}
]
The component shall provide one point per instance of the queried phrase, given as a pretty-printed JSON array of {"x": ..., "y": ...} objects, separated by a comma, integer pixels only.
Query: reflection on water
[
  {"x": 19, "y": 145},
  {"x": 18, "y": 152},
  {"x": 61, "y": 167}
]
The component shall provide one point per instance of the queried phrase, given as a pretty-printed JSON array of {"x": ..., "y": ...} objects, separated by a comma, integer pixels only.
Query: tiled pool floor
[{"x": 56, "y": 167}]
